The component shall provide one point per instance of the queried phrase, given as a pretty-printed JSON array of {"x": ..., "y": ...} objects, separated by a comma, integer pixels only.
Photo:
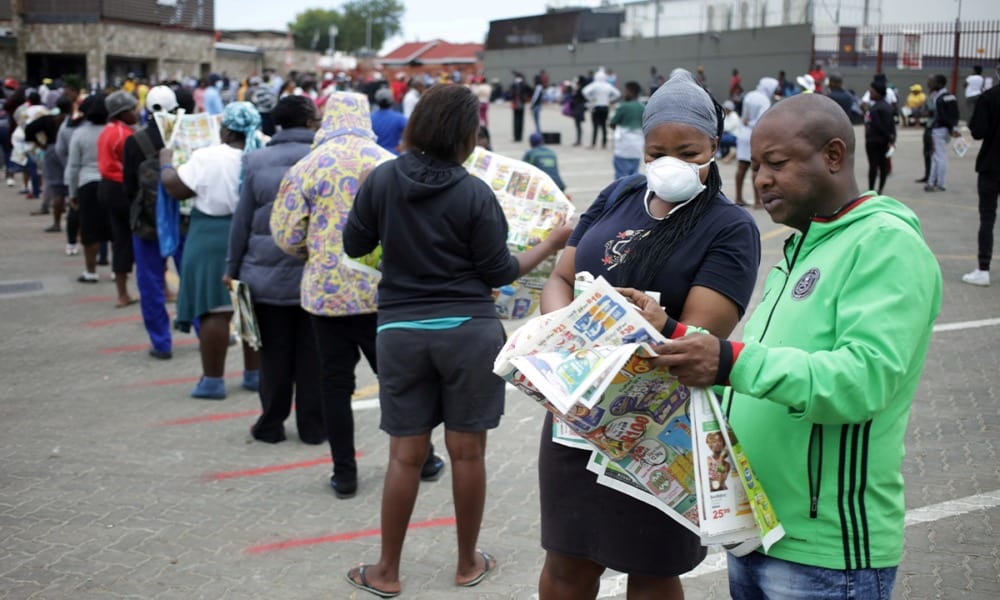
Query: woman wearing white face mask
[{"x": 674, "y": 232}]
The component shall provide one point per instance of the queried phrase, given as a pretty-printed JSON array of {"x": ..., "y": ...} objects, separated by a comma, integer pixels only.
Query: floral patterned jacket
[{"x": 313, "y": 203}]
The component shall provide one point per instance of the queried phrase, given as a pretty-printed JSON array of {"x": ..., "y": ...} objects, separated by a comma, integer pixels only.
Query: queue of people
[{"x": 353, "y": 246}]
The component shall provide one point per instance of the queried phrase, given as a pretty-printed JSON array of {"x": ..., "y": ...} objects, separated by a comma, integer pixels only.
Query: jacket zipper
[
  {"x": 816, "y": 435},
  {"x": 788, "y": 275},
  {"x": 815, "y": 458}
]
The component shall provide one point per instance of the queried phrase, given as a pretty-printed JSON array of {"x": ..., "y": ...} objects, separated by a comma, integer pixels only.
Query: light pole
[
  {"x": 368, "y": 34},
  {"x": 958, "y": 37},
  {"x": 333, "y": 31}
]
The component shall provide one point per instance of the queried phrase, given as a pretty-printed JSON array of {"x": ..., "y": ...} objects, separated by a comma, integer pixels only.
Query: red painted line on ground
[
  {"x": 114, "y": 321},
  {"x": 93, "y": 299},
  {"x": 175, "y": 381},
  {"x": 342, "y": 537},
  {"x": 211, "y": 418},
  {"x": 138, "y": 347},
  {"x": 270, "y": 469}
]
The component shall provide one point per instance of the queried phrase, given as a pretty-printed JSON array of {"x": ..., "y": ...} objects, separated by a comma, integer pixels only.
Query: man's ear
[{"x": 835, "y": 154}]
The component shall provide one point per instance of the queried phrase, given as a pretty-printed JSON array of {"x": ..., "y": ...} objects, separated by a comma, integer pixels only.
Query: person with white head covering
[
  {"x": 807, "y": 84},
  {"x": 601, "y": 95},
  {"x": 754, "y": 105},
  {"x": 730, "y": 131},
  {"x": 670, "y": 231}
]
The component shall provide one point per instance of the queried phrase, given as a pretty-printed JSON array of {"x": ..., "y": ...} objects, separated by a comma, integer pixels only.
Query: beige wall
[
  {"x": 283, "y": 61},
  {"x": 237, "y": 66},
  {"x": 279, "y": 54}
]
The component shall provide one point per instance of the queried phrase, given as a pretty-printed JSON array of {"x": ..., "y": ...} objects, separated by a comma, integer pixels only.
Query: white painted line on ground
[
  {"x": 367, "y": 404},
  {"x": 616, "y": 585},
  {"x": 966, "y": 325},
  {"x": 953, "y": 508}
]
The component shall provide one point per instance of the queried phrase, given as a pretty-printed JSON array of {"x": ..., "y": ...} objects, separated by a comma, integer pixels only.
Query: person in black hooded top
[{"x": 444, "y": 247}]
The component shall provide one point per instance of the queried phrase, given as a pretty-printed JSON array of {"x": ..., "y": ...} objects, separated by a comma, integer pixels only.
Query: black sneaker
[
  {"x": 314, "y": 439},
  {"x": 432, "y": 469},
  {"x": 344, "y": 487},
  {"x": 273, "y": 438},
  {"x": 161, "y": 354}
]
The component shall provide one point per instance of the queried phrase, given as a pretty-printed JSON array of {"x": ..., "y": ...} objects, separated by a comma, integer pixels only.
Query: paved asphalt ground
[{"x": 115, "y": 484}]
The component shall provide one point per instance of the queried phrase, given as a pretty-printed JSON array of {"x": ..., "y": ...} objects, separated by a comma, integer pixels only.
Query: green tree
[
  {"x": 385, "y": 17},
  {"x": 310, "y": 29}
]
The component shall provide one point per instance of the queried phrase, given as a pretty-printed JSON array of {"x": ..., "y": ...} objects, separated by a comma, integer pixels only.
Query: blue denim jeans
[
  {"x": 625, "y": 166},
  {"x": 759, "y": 577}
]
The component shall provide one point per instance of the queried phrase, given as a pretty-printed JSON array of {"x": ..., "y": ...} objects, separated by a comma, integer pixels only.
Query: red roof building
[
  {"x": 436, "y": 53},
  {"x": 435, "y": 58}
]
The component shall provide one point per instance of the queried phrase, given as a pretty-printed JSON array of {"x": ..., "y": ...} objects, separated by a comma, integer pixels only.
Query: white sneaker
[
  {"x": 72, "y": 249},
  {"x": 10, "y": 182},
  {"x": 977, "y": 277}
]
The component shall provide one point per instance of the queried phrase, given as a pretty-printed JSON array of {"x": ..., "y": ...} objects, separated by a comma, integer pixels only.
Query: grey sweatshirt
[{"x": 81, "y": 168}]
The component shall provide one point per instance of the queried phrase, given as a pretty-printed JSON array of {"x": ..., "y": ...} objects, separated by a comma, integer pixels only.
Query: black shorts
[
  {"x": 56, "y": 190},
  {"x": 427, "y": 377},
  {"x": 95, "y": 223}
]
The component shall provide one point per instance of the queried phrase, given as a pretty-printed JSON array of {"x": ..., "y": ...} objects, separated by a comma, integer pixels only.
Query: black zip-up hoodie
[
  {"x": 443, "y": 237},
  {"x": 985, "y": 125},
  {"x": 879, "y": 126},
  {"x": 946, "y": 111}
]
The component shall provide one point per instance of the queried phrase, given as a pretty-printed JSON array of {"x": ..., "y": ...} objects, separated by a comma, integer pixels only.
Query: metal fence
[{"x": 948, "y": 47}]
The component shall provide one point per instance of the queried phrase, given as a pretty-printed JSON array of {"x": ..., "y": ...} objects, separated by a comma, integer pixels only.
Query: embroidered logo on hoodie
[{"x": 804, "y": 286}]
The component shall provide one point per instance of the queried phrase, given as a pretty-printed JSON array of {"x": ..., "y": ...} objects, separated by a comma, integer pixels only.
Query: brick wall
[{"x": 173, "y": 52}]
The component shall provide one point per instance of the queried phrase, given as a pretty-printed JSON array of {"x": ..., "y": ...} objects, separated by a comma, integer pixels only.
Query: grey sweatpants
[{"x": 939, "y": 160}]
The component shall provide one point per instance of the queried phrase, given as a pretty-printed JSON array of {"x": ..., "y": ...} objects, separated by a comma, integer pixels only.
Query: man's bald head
[
  {"x": 802, "y": 156},
  {"x": 814, "y": 118}
]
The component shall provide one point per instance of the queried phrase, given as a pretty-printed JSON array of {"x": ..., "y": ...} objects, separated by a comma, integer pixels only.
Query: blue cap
[{"x": 535, "y": 139}]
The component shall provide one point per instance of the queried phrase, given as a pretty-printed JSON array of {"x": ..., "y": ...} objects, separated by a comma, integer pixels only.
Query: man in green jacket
[{"x": 821, "y": 388}]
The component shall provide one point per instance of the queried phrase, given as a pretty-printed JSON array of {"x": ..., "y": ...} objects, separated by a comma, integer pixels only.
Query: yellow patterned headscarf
[{"x": 346, "y": 113}]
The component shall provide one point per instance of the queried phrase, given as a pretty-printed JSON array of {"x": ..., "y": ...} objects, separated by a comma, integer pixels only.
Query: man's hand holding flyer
[{"x": 654, "y": 438}]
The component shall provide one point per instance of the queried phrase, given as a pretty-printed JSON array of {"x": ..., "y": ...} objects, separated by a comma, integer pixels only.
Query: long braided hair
[{"x": 648, "y": 254}]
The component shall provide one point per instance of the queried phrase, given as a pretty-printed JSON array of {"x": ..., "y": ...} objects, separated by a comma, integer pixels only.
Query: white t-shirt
[
  {"x": 629, "y": 143},
  {"x": 890, "y": 97},
  {"x": 483, "y": 91},
  {"x": 974, "y": 85},
  {"x": 410, "y": 100},
  {"x": 213, "y": 174},
  {"x": 601, "y": 93}
]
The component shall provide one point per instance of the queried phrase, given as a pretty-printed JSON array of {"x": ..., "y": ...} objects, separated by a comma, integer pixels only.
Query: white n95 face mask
[{"x": 674, "y": 180}]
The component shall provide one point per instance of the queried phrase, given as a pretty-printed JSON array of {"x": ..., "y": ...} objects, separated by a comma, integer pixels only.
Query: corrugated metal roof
[{"x": 180, "y": 14}]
